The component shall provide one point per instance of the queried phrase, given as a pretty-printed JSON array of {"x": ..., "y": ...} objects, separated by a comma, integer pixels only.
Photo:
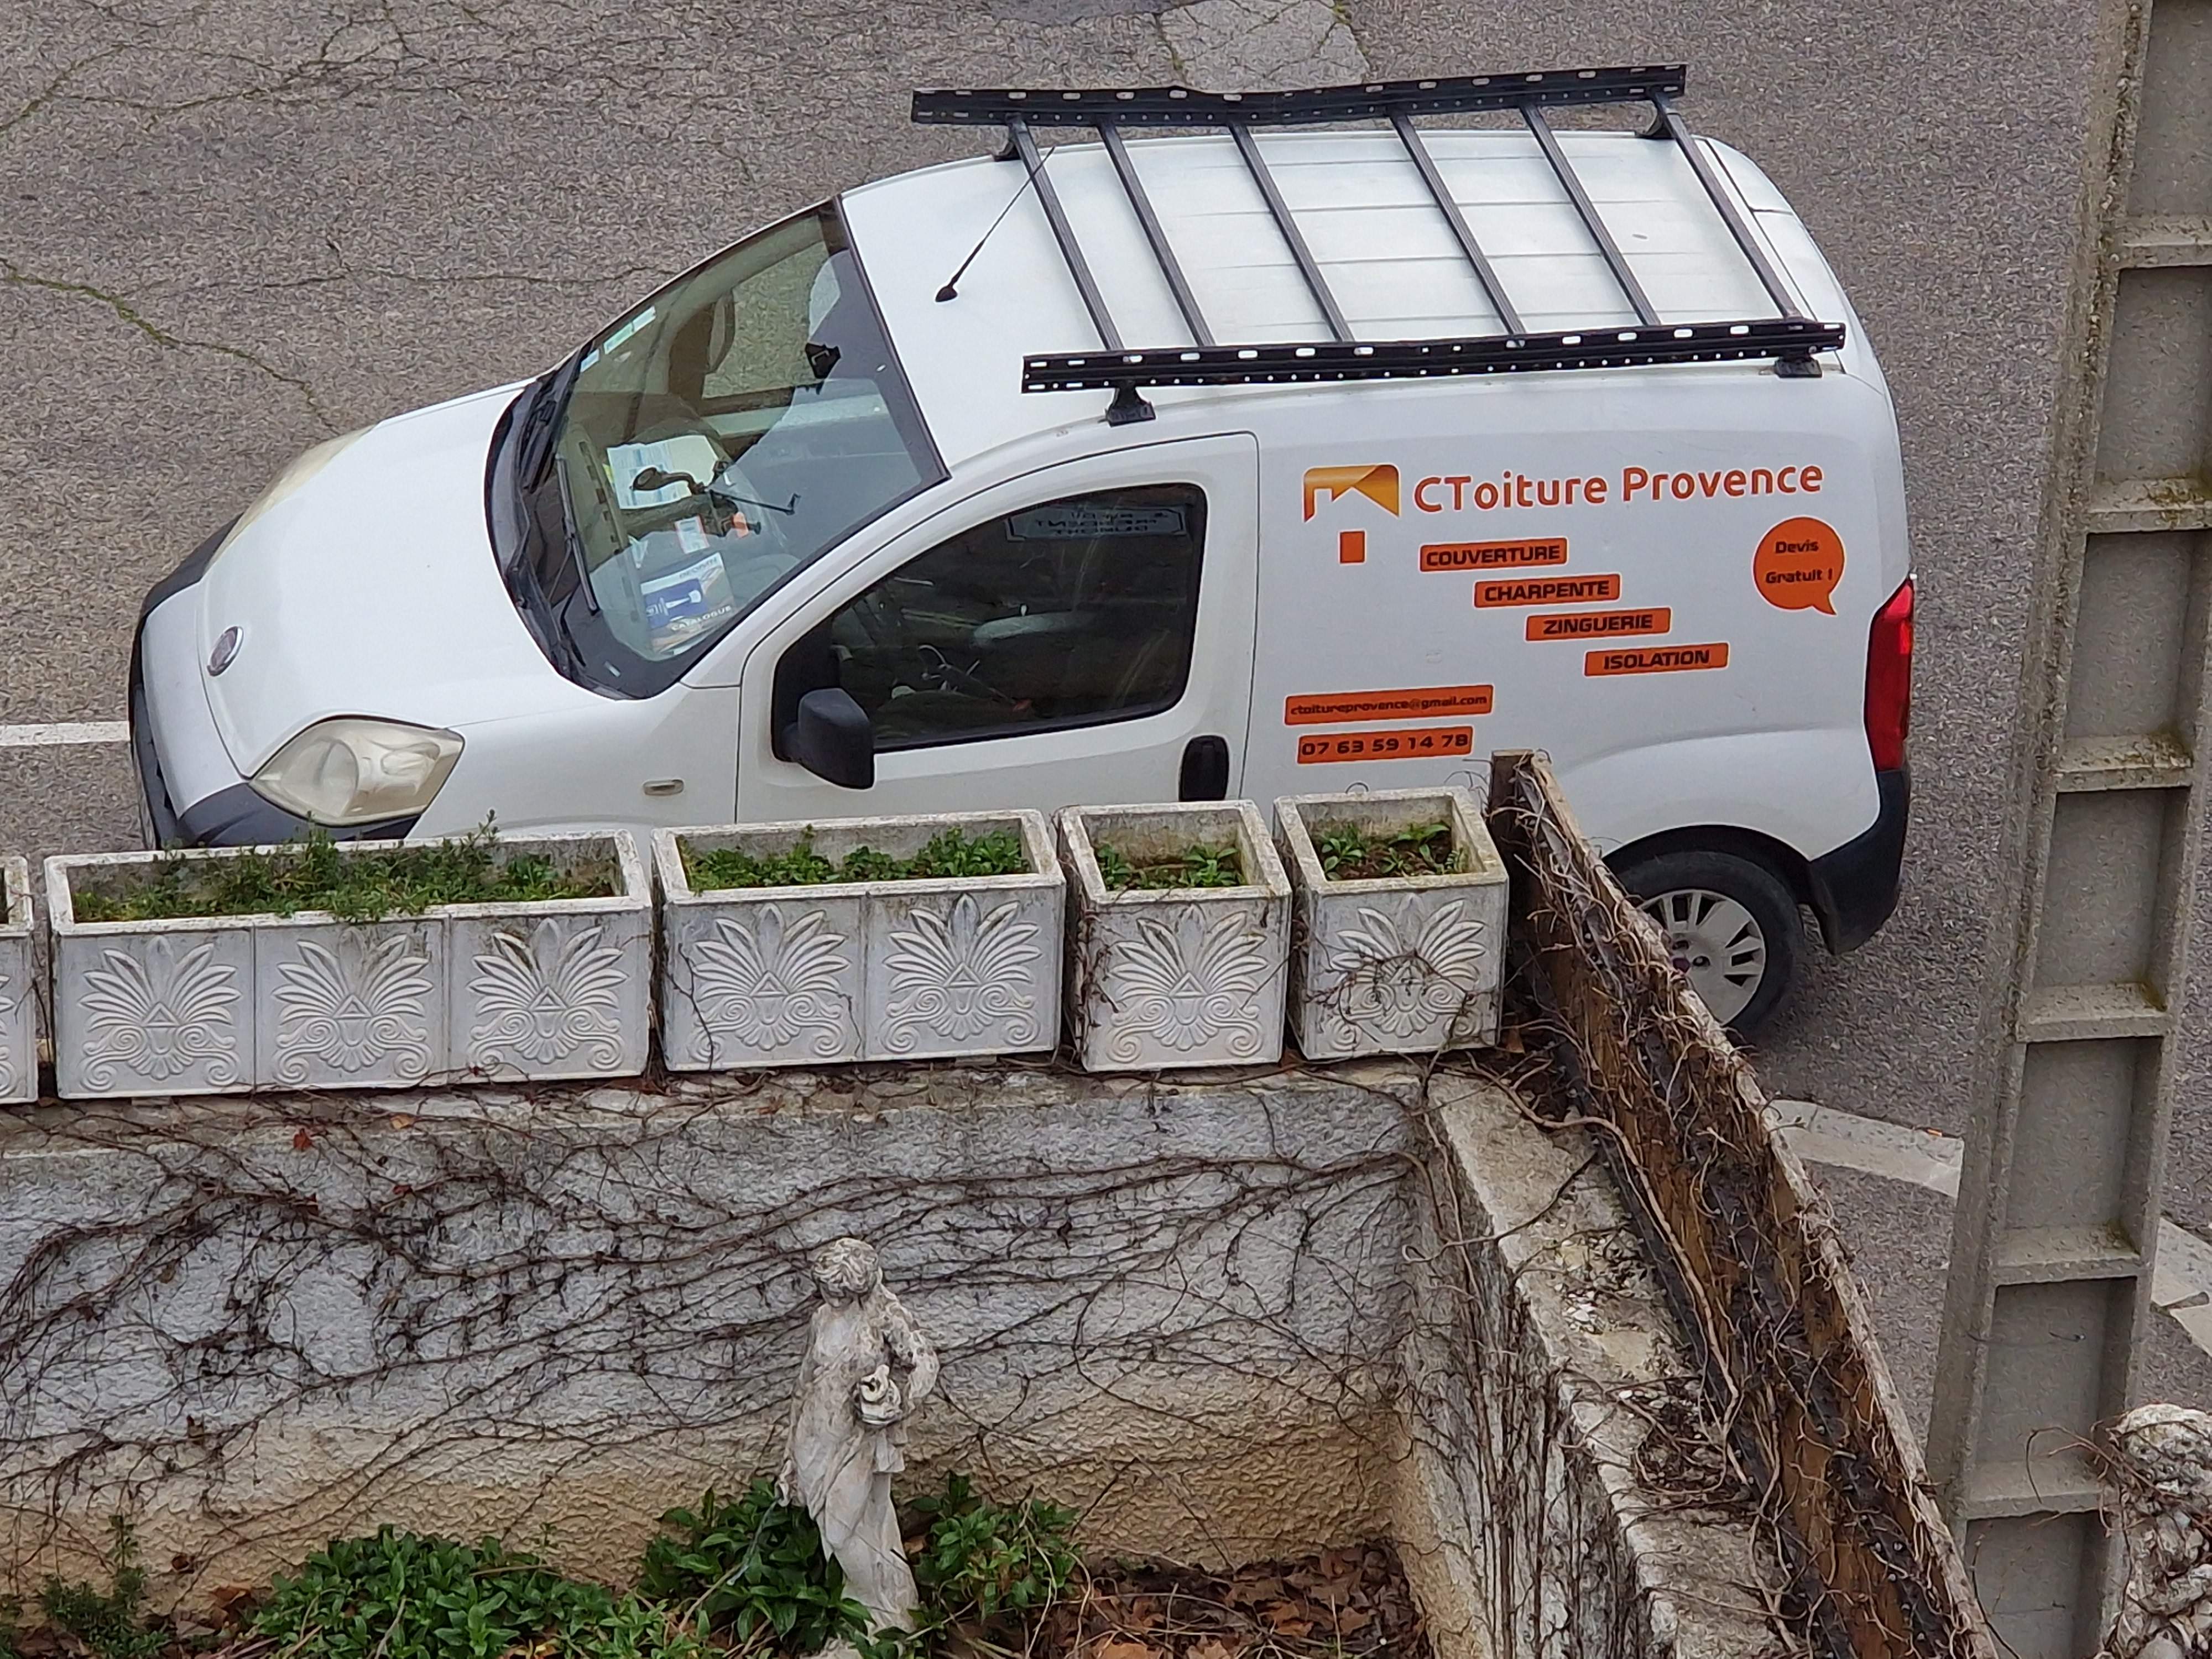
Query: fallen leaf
[
  {"x": 1214, "y": 1647},
  {"x": 402, "y": 1120},
  {"x": 302, "y": 1141},
  {"x": 1114, "y": 1647},
  {"x": 1352, "y": 1620},
  {"x": 231, "y": 1602},
  {"x": 1250, "y": 1592}
]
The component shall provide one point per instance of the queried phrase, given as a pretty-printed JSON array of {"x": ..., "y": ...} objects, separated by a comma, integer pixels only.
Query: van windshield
[{"x": 724, "y": 434}]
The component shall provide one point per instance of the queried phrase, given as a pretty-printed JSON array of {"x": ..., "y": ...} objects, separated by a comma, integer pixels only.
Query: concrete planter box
[
  {"x": 19, "y": 1020},
  {"x": 559, "y": 988},
  {"x": 925, "y": 969},
  {"x": 1175, "y": 977},
  {"x": 1405, "y": 964}
]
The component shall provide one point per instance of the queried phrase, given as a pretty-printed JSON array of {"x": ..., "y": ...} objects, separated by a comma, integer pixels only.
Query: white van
[{"x": 1421, "y": 442}]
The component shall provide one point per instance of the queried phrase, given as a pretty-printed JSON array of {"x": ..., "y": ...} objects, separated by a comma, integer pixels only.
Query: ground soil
[{"x": 1340, "y": 1604}]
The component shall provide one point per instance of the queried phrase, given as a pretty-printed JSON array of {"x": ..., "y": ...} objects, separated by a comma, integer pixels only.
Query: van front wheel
[{"x": 1731, "y": 925}]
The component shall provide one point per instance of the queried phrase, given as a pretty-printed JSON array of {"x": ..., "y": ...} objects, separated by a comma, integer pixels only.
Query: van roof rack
[{"x": 1790, "y": 337}]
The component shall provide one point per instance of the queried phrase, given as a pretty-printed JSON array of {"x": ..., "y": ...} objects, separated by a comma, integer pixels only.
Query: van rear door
[{"x": 1080, "y": 634}]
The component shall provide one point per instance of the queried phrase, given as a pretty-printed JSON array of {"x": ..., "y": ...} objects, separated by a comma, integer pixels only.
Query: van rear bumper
[{"x": 1854, "y": 888}]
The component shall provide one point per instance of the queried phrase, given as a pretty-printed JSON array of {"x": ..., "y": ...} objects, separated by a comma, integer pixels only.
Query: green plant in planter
[
  {"x": 314, "y": 874},
  {"x": 1197, "y": 865},
  {"x": 752, "y": 1572},
  {"x": 1420, "y": 849},
  {"x": 987, "y": 1568},
  {"x": 949, "y": 853}
]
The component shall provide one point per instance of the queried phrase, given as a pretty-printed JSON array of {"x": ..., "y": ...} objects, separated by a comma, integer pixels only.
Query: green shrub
[
  {"x": 407, "y": 1595},
  {"x": 107, "y": 1622},
  {"x": 1000, "y": 1566},
  {"x": 752, "y": 1572}
]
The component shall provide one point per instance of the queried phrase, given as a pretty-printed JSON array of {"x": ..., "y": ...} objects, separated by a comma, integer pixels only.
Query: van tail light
[{"x": 1889, "y": 680}]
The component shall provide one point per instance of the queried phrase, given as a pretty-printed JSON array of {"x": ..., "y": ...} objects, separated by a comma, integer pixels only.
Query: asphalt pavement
[{"x": 227, "y": 232}]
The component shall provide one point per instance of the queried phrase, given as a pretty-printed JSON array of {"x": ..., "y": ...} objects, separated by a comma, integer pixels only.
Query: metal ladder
[{"x": 1790, "y": 336}]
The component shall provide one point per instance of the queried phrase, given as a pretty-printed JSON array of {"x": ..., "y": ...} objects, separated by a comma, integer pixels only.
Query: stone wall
[
  {"x": 1226, "y": 1319},
  {"x": 256, "y": 1322},
  {"x": 1576, "y": 1501}
]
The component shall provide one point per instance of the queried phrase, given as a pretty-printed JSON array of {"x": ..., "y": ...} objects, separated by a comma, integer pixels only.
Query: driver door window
[
  {"x": 1082, "y": 633},
  {"x": 1073, "y": 612}
]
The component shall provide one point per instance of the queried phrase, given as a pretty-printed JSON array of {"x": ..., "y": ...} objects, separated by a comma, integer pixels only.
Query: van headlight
[{"x": 356, "y": 771}]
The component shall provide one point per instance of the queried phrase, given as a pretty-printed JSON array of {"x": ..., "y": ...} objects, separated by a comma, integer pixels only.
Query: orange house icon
[{"x": 1379, "y": 483}]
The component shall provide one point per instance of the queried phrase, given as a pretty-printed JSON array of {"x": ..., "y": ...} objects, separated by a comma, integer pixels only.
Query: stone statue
[
  {"x": 867, "y": 1367},
  {"x": 2163, "y": 1463}
]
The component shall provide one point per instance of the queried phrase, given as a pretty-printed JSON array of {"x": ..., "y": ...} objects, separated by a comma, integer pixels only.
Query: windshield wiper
[
  {"x": 575, "y": 536},
  {"x": 541, "y": 421}
]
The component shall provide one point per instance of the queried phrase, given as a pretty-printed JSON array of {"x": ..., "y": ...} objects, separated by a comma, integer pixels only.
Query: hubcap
[{"x": 1716, "y": 943}]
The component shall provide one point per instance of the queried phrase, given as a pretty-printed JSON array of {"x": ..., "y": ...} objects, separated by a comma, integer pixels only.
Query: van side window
[{"x": 1071, "y": 613}]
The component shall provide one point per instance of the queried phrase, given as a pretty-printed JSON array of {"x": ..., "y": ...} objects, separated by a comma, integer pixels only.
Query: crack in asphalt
[
  {"x": 348, "y": 271},
  {"x": 39, "y": 101},
  {"x": 13, "y": 276},
  {"x": 1241, "y": 45}
]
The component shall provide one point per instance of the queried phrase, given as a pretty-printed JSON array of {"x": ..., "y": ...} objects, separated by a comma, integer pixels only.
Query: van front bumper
[
  {"x": 190, "y": 793},
  {"x": 1854, "y": 888}
]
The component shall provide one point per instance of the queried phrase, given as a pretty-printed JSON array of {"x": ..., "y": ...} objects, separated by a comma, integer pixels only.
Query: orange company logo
[{"x": 1378, "y": 483}]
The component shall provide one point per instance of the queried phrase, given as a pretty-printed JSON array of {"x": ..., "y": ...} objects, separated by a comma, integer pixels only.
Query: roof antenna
[{"x": 951, "y": 288}]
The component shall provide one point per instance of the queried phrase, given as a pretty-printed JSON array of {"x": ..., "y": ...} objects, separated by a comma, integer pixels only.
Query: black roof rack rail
[
  {"x": 1790, "y": 338},
  {"x": 1402, "y": 360},
  {"x": 1179, "y": 106}
]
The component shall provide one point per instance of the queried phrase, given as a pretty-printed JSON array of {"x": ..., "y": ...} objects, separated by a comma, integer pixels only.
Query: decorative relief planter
[
  {"x": 927, "y": 968},
  {"x": 1399, "y": 965},
  {"x": 1161, "y": 977},
  {"x": 502, "y": 991},
  {"x": 19, "y": 1020}
]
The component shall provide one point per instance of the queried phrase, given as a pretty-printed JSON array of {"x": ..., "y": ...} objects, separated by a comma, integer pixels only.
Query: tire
[{"x": 1732, "y": 925}]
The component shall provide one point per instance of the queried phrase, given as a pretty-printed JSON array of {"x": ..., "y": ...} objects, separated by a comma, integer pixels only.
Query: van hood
[{"x": 372, "y": 590}]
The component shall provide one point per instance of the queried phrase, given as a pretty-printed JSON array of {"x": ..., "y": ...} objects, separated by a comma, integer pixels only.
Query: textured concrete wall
[
  {"x": 1189, "y": 1310},
  {"x": 256, "y": 1324},
  {"x": 1575, "y": 1498}
]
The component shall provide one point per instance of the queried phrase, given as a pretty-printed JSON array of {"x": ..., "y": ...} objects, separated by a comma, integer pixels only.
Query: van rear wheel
[{"x": 1731, "y": 925}]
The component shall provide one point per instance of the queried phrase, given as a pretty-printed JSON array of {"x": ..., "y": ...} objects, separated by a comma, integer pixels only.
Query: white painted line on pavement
[
  {"x": 1820, "y": 1134},
  {"x": 63, "y": 733},
  {"x": 2181, "y": 1283}
]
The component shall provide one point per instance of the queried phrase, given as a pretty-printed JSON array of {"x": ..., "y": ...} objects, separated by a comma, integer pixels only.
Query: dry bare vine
[{"x": 556, "y": 1292}]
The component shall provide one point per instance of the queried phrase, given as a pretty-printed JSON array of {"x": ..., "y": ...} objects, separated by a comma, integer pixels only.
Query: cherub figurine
[
  {"x": 2163, "y": 1465},
  {"x": 867, "y": 1367}
]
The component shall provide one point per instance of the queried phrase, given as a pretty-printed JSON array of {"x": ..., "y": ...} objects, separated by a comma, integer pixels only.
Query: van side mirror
[{"x": 833, "y": 739}]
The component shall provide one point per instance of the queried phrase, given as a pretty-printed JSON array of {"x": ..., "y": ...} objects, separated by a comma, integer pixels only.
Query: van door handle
[{"x": 1205, "y": 769}]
